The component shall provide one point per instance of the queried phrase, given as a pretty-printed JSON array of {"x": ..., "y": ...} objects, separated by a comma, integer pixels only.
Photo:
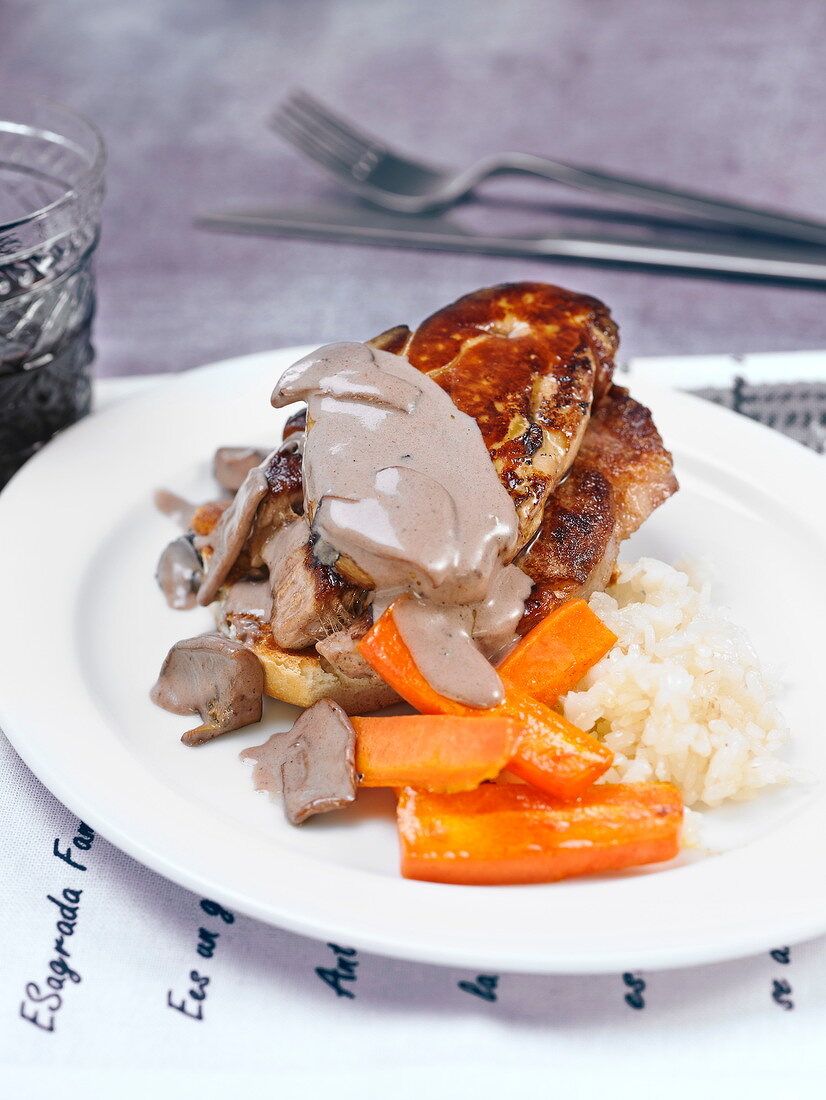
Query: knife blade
[{"x": 701, "y": 252}]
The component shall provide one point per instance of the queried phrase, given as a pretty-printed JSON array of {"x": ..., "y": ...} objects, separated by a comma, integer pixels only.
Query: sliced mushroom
[
  {"x": 214, "y": 677},
  {"x": 232, "y": 464},
  {"x": 268, "y": 497},
  {"x": 313, "y": 765},
  {"x": 231, "y": 531},
  {"x": 179, "y": 573}
]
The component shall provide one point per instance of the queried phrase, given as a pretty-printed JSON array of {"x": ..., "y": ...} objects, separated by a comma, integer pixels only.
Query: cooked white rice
[{"x": 681, "y": 697}]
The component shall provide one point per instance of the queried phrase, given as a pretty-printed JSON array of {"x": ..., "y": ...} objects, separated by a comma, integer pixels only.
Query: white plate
[{"x": 86, "y": 630}]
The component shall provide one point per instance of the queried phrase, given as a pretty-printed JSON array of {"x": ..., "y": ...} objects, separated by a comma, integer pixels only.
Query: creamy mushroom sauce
[{"x": 399, "y": 481}]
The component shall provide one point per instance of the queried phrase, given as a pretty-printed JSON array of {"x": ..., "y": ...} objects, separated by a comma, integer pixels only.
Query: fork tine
[
  {"x": 346, "y": 151},
  {"x": 352, "y": 150},
  {"x": 307, "y": 144},
  {"x": 317, "y": 110},
  {"x": 304, "y": 141}
]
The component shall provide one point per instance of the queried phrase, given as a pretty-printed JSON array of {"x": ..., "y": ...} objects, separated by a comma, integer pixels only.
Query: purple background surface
[{"x": 727, "y": 97}]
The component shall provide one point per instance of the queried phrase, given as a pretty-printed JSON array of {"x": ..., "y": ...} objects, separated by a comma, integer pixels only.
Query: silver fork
[{"x": 386, "y": 178}]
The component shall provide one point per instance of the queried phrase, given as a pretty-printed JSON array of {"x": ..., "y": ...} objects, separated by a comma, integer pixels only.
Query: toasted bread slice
[{"x": 301, "y": 677}]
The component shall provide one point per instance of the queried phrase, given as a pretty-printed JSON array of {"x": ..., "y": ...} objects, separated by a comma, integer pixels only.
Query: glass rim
[{"x": 89, "y": 175}]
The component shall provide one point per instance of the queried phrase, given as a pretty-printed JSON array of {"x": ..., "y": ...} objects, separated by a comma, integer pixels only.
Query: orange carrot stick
[
  {"x": 552, "y": 755},
  {"x": 557, "y": 653},
  {"x": 499, "y": 835},
  {"x": 435, "y": 752},
  {"x": 537, "y": 664}
]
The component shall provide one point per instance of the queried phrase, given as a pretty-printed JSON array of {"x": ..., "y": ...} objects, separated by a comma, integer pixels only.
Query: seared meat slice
[
  {"x": 621, "y": 474},
  {"x": 310, "y": 600},
  {"x": 526, "y": 360}
]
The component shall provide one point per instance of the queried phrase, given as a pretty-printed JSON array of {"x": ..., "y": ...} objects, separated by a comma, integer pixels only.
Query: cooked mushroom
[
  {"x": 232, "y": 464},
  {"x": 214, "y": 677},
  {"x": 179, "y": 573},
  {"x": 313, "y": 765},
  {"x": 230, "y": 533},
  {"x": 177, "y": 508}
]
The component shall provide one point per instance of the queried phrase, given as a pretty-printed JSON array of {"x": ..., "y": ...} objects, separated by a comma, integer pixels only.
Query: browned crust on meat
[
  {"x": 524, "y": 360},
  {"x": 283, "y": 473},
  {"x": 394, "y": 340},
  {"x": 295, "y": 423},
  {"x": 338, "y": 599},
  {"x": 621, "y": 474},
  {"x": 330, "y": 585}
]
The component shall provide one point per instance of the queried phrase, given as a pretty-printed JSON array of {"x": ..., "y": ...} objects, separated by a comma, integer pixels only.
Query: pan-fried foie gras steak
[
  {"x": 525, "y": 360},
  {"x": 621, "y": 474}
]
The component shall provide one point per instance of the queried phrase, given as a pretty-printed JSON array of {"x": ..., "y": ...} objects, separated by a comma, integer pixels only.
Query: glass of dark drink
[{"x": 51, "y": 186}]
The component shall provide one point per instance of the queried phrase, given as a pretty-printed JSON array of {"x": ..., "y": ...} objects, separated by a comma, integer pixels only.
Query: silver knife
[{"x": 701, "y": 252}]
